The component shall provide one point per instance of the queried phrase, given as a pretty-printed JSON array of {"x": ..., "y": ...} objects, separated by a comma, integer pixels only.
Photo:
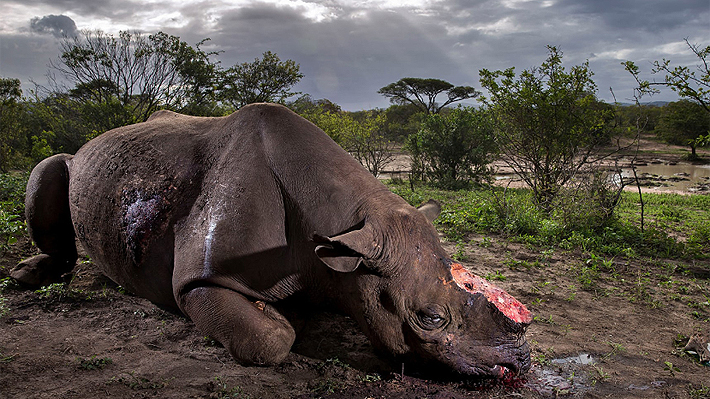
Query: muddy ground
[{"x": 615, "y": 332}]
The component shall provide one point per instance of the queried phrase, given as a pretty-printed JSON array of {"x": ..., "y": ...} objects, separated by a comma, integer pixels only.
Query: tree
[
  {"x": 684, "y": 122},
  {"x": 10, "y": 94},
  {"x": 688, "y": 83},
  {"x": 366, "y": 141},
  {"x": 548, "y": 122},
  {"x": 142, "y": 73},
  {"x": 423, "y": 93},
  {"x": 363, "y": 138},
  {"x": 264, "y": 80},
  {"x": 306, "y": 104},
  {"x": 454, "y": 148}
]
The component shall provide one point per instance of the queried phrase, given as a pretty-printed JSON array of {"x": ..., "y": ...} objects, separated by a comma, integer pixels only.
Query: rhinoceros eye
[{"x": 432, "y": 318}]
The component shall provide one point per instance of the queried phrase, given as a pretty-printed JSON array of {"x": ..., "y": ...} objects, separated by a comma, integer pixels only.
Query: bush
[{"x": 453, "y": 149}]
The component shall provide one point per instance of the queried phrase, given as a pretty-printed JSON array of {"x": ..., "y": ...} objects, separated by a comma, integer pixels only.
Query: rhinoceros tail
[{"x": 49, "y": 223}]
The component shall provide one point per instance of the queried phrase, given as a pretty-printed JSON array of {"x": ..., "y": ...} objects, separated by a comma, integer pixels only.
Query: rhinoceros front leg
[{"x": 253, "y": 332}]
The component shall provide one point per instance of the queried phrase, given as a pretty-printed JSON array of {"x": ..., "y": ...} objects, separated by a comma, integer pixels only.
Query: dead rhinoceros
[{"x": 227, "y": 218}]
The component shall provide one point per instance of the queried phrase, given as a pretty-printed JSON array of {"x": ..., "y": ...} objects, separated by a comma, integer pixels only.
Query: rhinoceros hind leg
[
  {"x": 49, "y": 222},
  {"x": 254, "y": 333}
]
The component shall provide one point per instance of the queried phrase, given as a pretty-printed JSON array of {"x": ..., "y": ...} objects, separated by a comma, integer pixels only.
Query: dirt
[{"x": 602, "y": 328}]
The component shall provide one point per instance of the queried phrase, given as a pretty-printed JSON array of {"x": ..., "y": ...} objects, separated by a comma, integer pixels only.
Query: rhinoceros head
[{"x": 413, "y": 301}]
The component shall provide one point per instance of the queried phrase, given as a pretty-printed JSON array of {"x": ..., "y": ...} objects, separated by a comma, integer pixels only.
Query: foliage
[
  {"x": 688, "y": 83},
  {"x": 454, "y": 148},
  {"x": 548, "y": 122},
  {"x": 12, "y": 207},
  {"x": 305, "y": 104},
  {"x": 363, "y": 138},
  {"x": 10, "y": 129},
  {"x": 264, "y": 80},
  {"x": 684, "y": 122},
  {"x": 422, "y": 93},
  {"x": 513, "y": 213},
  {"x": 402, "y": 121},
  {"x": 94, "y": 362},
  {"x": 142, "y": 73}
]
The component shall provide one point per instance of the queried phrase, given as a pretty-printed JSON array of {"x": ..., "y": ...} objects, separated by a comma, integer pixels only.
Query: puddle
[
  {"x": 569, "y": 375},
  {"x": 684, "y": 177},
  {"x": 583, "y": 358}
]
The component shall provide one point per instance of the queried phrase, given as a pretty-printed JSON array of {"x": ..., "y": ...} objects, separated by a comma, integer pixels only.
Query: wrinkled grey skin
[{"x": 227, "y": 218}]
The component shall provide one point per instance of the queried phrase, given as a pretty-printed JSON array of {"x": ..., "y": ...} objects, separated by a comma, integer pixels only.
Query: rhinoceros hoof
[{"x": 37, "y": 271}]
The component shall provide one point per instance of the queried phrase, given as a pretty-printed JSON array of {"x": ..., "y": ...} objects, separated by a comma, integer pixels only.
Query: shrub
[{"x": 453, "y": 149}]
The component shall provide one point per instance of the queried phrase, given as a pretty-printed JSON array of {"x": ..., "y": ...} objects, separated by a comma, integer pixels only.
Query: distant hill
[{"x": 648, "y": 104}]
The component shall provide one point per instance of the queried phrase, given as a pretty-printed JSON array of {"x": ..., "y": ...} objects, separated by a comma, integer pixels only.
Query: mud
[{"x": 92, "y": 340}]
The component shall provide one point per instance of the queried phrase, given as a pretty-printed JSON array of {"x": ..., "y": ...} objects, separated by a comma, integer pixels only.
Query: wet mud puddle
[{"x": 562, "y": 376}]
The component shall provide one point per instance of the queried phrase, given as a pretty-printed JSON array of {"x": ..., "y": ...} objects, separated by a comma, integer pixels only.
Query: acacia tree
[
  {"x": 548, "y": 122},
  {"x": 423, "y": 93},
  {"x": 264, "y": 80}
]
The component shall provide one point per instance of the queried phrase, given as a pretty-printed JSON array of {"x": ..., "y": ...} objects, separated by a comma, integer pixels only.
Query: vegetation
[
  {"x": 685, "y": 123},
  {"x": 422, "y": 93},
  {"x": 454, "y": 148},
  {"x": 688, "y": 83},
  {"x": 265, "y": 80},
  {"x": 515, "y": 216},
  {"x": 362, "y": 137},
  {"x": 548, "y": 123},
  {"x": 136, "y": 74}
]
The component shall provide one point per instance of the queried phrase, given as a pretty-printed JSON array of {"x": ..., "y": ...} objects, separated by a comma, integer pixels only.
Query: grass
[
  {"x": 12, "y": 208},
  {"x": 94, "y": 362},
  {"x": 675, "y": 225}
]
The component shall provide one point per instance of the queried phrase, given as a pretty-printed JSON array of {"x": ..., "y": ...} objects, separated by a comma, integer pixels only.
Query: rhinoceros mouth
[{"x": 515, "y": 363}]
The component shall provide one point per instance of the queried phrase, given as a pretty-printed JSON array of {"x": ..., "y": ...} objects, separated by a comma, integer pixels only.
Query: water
[{"x": 664, "y": 177}]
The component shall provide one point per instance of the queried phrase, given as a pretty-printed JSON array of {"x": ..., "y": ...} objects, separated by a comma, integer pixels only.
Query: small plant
[
  {"x": 460, "y": 254},
  {"x": 672, "y": 369},
  {"x": 332, "y": 362},
  {"x": 549, "y": 320},
  {"x": 135, "y": 382},
  {"x": 486, "y": 242},
  {"x": 495, "y": 276},
  {"x": 6, "y": 359},
  {"x": 372, "y": 378},
  {"x": 615, "y": 349},
  {"x": 59, "y": 292},
  {"x": 327, "y": 386},
  {"x": 94, "y": 363},
  {"x": 223, "y": 391},
  {"x": 701, "y": 392},
  {"x": 600, "y": 375},
  {"x": 541, "y": 359}
]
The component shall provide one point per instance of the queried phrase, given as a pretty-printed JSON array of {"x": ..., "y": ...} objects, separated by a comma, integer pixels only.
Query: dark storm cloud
[
  {"x": 346, "y": 57},
  {"x": 648, "y": 15},
  {"x": 348, "y": 50},
  {"x": 57, "y": 25}
]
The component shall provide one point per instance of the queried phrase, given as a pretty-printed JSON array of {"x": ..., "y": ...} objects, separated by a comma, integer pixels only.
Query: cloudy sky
[{"x": 348, "y": 49}]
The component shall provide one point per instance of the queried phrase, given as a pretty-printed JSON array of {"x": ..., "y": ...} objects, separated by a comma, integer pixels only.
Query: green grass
[
  {"x": 12, "y": 207},
  {"x": 676, "y": 226}
]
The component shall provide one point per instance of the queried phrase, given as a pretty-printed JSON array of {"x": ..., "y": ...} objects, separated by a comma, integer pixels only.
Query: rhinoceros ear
[
  {"x": 431, "y": 209},
  {"x": 344, "y": 252}
]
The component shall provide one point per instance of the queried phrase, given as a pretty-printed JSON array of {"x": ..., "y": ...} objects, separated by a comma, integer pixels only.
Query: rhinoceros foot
[{"x": 39, "y": 270}]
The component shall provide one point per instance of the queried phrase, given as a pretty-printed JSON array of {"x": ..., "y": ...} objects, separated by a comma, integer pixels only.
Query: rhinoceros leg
[
  {"x": 253, "y": 332},
  {"x": 49, "y": 223}
]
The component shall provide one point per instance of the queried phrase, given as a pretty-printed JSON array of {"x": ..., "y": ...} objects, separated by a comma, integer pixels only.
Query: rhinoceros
[{"x": 227, "y": 219}]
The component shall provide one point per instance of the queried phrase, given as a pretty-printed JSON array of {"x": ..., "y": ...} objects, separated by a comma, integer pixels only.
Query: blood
[{"x": 509, "y": 306}]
